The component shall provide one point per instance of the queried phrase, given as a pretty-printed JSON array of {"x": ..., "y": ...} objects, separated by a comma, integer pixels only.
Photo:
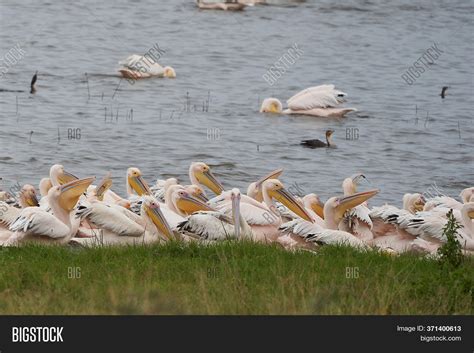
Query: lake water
[{"x": 404, "y": 138}]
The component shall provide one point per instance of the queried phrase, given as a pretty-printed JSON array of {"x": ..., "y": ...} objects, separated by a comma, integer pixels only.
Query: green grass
[{"x": 228, "y": 278}]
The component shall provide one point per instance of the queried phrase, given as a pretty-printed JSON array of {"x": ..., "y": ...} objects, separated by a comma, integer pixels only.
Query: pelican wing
[
  {"x": 442, "y": 202},
  {"x": 37, "y": 222},
  {"x": 8, "y": 213},
  {"x": 110, "y": 219},
  {"x": 324, "y": 96},
  {"x": 335, "y": 237},
  {"x": 300, "y": 227},
  {"x": 142, "y": 64},
  {"x": 208, "y": 225}
]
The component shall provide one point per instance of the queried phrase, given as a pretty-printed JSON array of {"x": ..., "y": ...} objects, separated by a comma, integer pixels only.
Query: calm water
[{"x": 363, "y": 47}]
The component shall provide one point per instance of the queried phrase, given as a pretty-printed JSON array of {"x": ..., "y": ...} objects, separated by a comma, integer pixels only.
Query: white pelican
[
  {"x": 265, "y": 218},
  {"x": 356, "y": 220},
  {"x": 118, "y": 226},
  {"x": 160, "y": 187},
  {"x": 59, "y": 176},
  {"x": 200, "y": 174},
  {"x": 214, "y": 225},
  {"x": 137, "y": 66},
  {"x": 36, "y": 225},
  {"x": 254, "y": 190},
  {"x": 317, "y": 101},
  {"x": 447, "y": 202},
  {"x": 389, "y": 224},
  {"x": 429, "y": 226},
  {"x": 298, "y": 233},
  {"x": 228, "y": 5}
]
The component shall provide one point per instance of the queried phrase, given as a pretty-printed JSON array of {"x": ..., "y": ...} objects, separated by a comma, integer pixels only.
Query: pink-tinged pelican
[
  {"x": 137, "y": 66},
  {"x": 200, "y": 174},
  {"x": 301, "y": 233},
  {"x": 356, "y": 220},
  {"x": 264, "y": 218},
  {"x": 228, "y": 5},
  {"x": 390, "y": 223},
  {"x": 429, "y": 226},
  {"x": 215, "y": 225},
  {"x": 36, "y": 225},
  {"x": 254, "y": 190},
  {"x": 118, "y": 226},
  {"x": 319, "y": 101}
]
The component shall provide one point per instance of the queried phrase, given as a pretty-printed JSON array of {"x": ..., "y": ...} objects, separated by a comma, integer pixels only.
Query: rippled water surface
[{"x": 408, "y": 137}]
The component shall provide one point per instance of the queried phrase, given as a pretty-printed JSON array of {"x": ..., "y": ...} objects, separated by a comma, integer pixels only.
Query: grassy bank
[{"x": 229, "y": 278}]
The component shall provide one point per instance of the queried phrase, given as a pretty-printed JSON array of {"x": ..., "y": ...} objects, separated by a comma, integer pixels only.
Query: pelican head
[
  {"x": 313, "y": 202},
  {"x": 235, "y": 199},
  {"x": 136, "y": 182},
  {"x": 59, "y": 176},
  {"x": 335, "y": 207},
  {"x": 187, "y": 204},
  {"x": 28, "y": 196},
  {"x": 68, "y": 194},
  {"x": 467, "y": 195},
  {"x": 197, "y": 192},
  {"x": 414, "y": 202},
  {"x": 255, "y": 189},
  {"x": 349, "y": 185},
  {"x": 468, "y": 208},
  {"x": 273, "y": 188},
  {"x": 201, "y": 173},
  {"x": 271, "y": 105},
  {"x": 44, "y": 186},
  {"x": 103, "y": 186},
  {"x": 169, "y": 72},
  {"x": 151, "y": 208}
]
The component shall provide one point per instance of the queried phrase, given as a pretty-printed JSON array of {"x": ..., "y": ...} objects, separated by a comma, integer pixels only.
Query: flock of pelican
[{"x": 74, "y": 210}]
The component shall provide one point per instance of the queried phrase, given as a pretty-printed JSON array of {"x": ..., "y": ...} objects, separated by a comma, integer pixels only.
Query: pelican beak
[
  {"x": 283, "y": 196},
  {"x": 236, "y": 215},
  {"x": 103, "y": 186},
  {"x": 273, "y": 175},
  {"x": 348, "y": 202},
  {"x": 189, "y": 204},
  {"x": 207, "y": 178},
  {"x": 32, "y": 200},
  {"x": 72, "y": 191},
  {"x": 201, "y": 197},
  {"x": 159, "y": 221},
  {"x": 139, "y": 185},
  {"x": 66, "y": 177},
  {"x": 419, "y": 204},
  {"x": 318, "y": 208}
]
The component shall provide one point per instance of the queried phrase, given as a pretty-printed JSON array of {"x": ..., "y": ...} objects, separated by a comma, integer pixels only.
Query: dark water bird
[
  {"x": 315, "y": 143},
  {"x": 33, "y": 82},
  {"x": 443, "y": 91}
]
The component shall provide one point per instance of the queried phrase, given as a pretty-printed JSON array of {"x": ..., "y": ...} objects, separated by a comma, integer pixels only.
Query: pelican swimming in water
[
  {"x": 228, "y": 5},
  {"x": 301, "y": 233},
  {"x": 254, "y": 190},
  {"x": 36, "y": 225},
  {"x": 319, "y": 101},
  {"x": 137, "y": 66},
  {"x": 315, "y": 143}
]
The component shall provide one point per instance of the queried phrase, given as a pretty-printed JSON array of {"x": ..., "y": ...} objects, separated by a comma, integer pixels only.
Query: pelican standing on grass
[{"x": 322, "y": 101}]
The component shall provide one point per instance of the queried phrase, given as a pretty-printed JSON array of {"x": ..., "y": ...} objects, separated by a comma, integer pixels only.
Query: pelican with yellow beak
[
  {"x": 58, "y": 176},
  {"x": 301, "y": 233},
  {"x": 265, "y": 218},
  {"x": 254, "y": 190},
  {"x": 36, "y": 225},
  {"x": 115, "y": 225},
  {"x": 200, "y": 174}
]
